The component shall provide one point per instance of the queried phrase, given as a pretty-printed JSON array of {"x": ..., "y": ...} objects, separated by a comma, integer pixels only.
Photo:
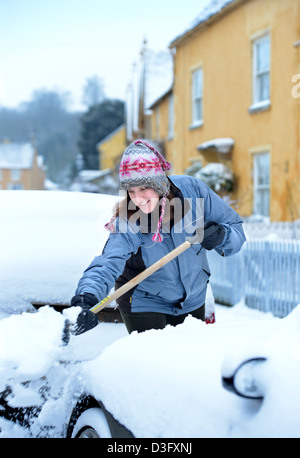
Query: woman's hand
[{"x": 86, "y": 319}]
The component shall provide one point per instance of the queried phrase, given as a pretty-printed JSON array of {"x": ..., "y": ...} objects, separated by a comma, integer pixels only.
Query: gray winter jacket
[{"x": 180, "y": 286}]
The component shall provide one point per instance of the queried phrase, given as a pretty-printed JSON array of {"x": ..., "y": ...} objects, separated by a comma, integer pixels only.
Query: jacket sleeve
[
  {"x": 216, "y": 209},
  {"x": 100, "y": 276}
]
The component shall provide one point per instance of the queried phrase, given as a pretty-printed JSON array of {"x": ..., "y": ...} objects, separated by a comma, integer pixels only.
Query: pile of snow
[
  {"x": 168, "y": 383},
  {"x": 47, "y": 239},
  {"x": 159, "y": 383},
  {"x": 40, "y": 371},
  {"x": 29, "y": 345}
]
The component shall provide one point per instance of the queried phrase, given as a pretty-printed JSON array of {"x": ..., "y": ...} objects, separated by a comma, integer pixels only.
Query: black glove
[
  {"x": 86, "y": 319},
  {"x": 213, "y": 235}
]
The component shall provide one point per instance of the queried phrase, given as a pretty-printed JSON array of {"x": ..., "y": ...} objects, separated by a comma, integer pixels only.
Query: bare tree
[{"x": 93, "y": 91}]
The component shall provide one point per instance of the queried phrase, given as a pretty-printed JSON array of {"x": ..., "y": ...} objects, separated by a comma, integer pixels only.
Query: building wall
[
  {"x": 29, "y": 179},
  {"x": 160, "y": 127},
  {"x": 37, "y": 176},
  {"x": 112, "y": 148},
  {"x": 224, "y": 51}
]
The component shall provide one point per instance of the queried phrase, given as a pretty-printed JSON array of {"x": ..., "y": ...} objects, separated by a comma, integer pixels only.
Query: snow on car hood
[
  {"x": 167, "y": 383},
  {"x": 47, "y": 239}
]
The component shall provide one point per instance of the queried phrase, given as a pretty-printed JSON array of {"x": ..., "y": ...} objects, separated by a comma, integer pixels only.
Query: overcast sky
[{"x": 58, "y": 44}]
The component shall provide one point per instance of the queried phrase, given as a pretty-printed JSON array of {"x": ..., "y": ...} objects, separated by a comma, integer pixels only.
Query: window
[
  {"x": 261, "y": 70},
  {"x": 262, "y": 184},
  {"x": 15, "y": 186},
  {"x": 171, "y": 117},
  {"x": 15, "y": 174},
  {"x": 197, "y": 97}
]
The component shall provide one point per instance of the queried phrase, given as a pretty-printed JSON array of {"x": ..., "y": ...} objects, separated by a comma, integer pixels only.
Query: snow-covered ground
[{"x": 46, "y": 240}]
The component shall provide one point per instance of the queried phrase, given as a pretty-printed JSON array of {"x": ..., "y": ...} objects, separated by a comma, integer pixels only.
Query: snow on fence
[
  {"x": 281, "y": 229},
  {"x": 265, "y": 272}
]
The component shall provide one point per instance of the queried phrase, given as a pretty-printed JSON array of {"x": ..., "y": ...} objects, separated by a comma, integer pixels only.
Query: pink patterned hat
[{"x": 142, "y": 165}]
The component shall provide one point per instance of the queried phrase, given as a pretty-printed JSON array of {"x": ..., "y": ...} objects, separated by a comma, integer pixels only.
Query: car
[
  {"x": 90, "y": 419},
  {"x": 235, "y": 378},
  {"x": 80, "y": 417},
  {"x": 238, "y": 377}
]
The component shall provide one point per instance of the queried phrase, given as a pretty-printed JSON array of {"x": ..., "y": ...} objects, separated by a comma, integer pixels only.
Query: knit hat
[{"x": 142, "y": 165}]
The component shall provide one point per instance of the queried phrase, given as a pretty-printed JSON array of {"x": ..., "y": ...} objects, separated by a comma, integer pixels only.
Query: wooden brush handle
[{"x": 140, "y": 277}]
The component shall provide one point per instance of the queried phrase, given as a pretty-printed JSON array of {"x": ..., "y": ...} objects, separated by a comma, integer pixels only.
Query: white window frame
[
  {"x": 259, "y": 74},
  {"x": 261, "y": 190},
  {"x": 197, "y": 97}
]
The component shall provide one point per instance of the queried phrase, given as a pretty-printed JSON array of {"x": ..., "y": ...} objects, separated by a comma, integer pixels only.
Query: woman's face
[{"x": 144, "y": 198}]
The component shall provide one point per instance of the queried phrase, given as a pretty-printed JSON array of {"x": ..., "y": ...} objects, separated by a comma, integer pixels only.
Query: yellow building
[
  {"x": 111, "y": 148},
  {"x": 21, "y": 167},
  {"x": 162, "y": 124},
  {"x": 236, "y": 101}
]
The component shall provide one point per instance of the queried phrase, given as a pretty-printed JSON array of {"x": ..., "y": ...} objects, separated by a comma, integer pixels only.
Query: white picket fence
[
  {"x": 266, "y": 273},
  {"x": 282, "y": 229}
]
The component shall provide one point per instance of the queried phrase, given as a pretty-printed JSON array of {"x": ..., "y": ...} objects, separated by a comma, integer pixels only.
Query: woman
[{"x": 158, "y": 214}]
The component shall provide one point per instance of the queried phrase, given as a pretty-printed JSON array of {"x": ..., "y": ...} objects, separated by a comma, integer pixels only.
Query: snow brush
[{"x": 197, "y": 238}]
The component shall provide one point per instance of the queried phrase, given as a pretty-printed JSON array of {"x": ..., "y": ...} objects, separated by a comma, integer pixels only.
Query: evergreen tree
[{"x": 98, "y": 122}]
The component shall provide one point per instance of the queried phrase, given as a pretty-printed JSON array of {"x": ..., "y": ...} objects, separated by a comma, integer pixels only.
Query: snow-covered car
[
  {"x": 41, "y": 378},
  {"x": 170, "y": 383},
  {"x": 182, "y": 382},
  {"x": 157, "y": 384},
  {"x": 47, "y": 239}
]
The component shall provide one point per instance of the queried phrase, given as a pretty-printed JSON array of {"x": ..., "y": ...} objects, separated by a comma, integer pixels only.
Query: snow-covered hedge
[{"x": 217, "y": 176}]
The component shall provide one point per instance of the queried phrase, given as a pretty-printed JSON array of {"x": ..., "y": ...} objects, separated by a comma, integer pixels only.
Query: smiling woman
[
  {"x": 144, "y": 198},
  {"x": 143, "y": 172},
  {"x": 148, "y": 227}
]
